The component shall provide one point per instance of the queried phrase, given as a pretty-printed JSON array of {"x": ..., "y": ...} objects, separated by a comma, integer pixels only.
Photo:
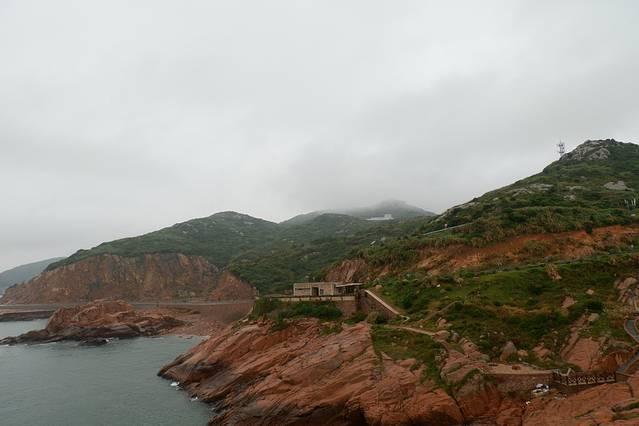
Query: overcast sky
[{"x": 121, "y": 117}]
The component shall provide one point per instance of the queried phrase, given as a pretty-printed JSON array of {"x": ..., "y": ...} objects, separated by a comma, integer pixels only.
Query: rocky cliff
[
  {"x": 302, "y": 375},
  {"x": 149, "y": 277}
]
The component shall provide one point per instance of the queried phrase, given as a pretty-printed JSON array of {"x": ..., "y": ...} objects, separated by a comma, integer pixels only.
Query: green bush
[
  {"x": 322, "y": 310},
  {"x": 265, "y": 306},
  {"x": 595, "y": 306}
]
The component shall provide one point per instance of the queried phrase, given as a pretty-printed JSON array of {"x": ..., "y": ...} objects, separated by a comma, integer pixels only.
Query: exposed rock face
[
  {"x": 584, "y": 353},
  {"x": 255, "y": 375},
  {"x": 230, "y": 287},
  {"x": 616, "y": 186},
  {"x": 96, "y": 321},
  {"x": 348, "y": 271},
  {"x": 628, "y": 292},
  {"x": 580, "y": 351},
  {"x": 590, "y": 150},
  {"x": 435, "y": 260},
  {"x": 149, "y": 277},
  {"x": 600, "y": 405}
]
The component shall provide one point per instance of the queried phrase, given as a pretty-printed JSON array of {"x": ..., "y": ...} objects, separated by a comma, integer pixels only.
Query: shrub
[
  {"x": 265, "y": 306},
  {"x": 595, "y": 306},
  {"x": 321, "y": 310},
  {"x": 358, "y": 316}
]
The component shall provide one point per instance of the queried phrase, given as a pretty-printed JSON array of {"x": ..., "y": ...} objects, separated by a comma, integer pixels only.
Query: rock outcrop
[
  {"x": 230, "y": 287},
  {"x": 299, "y": 375},
  {"x": 600, "y": 405},
  {"x": 97, "y": 321},
  {"x": 350, "y": 270},
  {"x": 150, "y": 277}
]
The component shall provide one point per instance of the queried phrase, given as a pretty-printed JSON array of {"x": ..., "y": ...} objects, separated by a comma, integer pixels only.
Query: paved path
[
  {"x": 446, "y": 229},
  {"x": 412, "y": 329},
  {"x": 50, "y": 308},
  {"x": 383, "y": 303},
  {"x": 630, "y": 325}
]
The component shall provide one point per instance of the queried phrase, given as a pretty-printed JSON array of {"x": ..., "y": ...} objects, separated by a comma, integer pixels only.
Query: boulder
[
  {"x": 441, "y": 335},
  {"x": 552, "y": 272},
  {"x": 508, "y": 350},
  {"x": 568, "y": 302}
]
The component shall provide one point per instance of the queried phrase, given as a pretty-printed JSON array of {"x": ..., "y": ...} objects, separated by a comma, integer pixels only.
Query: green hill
[
  {"x": 390, "y": 210},
  {"x": 305, "y": 250},
  {"x": 519, "y": 294},
  {"x": 268, "y": 255},
  {"x": 23, "y": 273},
  {"x": 594, "y": 185},
  {"x": 219, "y": 237}
]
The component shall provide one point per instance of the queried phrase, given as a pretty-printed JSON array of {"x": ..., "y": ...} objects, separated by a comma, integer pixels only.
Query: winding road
[{"x": 630, "y": 325}]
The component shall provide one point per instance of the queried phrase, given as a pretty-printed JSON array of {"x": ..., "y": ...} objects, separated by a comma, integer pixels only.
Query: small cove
[{"x": 115, "y": 384}]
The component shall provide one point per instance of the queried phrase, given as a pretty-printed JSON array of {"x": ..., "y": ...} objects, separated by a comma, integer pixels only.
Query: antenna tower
[{"x": 561, "y": 149}]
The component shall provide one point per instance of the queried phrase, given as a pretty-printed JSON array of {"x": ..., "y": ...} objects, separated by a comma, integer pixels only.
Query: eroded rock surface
[
  {"x": 601, "y": 405},
  {"x": 150, "y": 277},
  {"x": 298, "y": 375},
  {"x": 96, "y": 321}
]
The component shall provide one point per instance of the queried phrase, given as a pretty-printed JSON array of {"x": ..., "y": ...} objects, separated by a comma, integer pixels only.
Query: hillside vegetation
[
  {"x": 268, "y": 255},
  {"x": 595, "y": 185},
  {"x": 544, "y": 260},
  {"x": 398, "y": 210}
]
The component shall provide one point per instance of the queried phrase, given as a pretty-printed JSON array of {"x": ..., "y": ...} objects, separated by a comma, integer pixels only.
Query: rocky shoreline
[
  {"x": 259, "y": 375},
  {"x": 95, "y": 322}
]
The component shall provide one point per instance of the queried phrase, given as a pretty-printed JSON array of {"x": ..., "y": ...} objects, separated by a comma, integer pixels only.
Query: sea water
[{"x": 115, "y": 384}]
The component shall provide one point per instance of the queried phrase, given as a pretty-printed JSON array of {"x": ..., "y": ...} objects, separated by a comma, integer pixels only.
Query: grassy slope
[
  {"x": 574, "y": 198},
  {"x": 568, "y": 194},
  {"x": 398, "y": 209},
  {"x": 522, "y": 305},
  {"x": 268, "y": 255},
  {"x": 219, "y": 237},
  {"x": 304, "y": 251}
]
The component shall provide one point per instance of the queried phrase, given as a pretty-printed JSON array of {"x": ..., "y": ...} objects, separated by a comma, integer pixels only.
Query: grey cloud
[{"x": 117, "y": 118}]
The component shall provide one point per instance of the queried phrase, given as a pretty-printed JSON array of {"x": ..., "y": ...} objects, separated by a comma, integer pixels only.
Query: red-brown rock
[
  {"x": 152, "y": 277},
  {"x": 255, "y": 375},
  {"x": 97, "y": 320}
]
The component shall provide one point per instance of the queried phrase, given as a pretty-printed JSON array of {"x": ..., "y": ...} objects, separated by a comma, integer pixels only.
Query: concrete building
[{"x": 324, "y": 289}]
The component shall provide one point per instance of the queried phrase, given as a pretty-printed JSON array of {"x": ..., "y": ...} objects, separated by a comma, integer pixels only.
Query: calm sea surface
[{"x": 116, "y": 384}]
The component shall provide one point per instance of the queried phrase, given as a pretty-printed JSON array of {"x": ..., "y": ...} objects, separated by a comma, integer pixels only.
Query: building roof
[{"x": 349, "y": 284}]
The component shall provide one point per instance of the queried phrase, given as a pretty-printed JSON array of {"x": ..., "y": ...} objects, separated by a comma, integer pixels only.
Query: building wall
[
  {"x": 306, "y": 289},
  {"x": 368, "y": 305}
]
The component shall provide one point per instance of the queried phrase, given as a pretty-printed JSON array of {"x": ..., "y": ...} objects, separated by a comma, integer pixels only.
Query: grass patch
[
  {"x": 326, "y": 311},
  {"x": 401, "y": 344},
  {"x": 522, "y": 305}
]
